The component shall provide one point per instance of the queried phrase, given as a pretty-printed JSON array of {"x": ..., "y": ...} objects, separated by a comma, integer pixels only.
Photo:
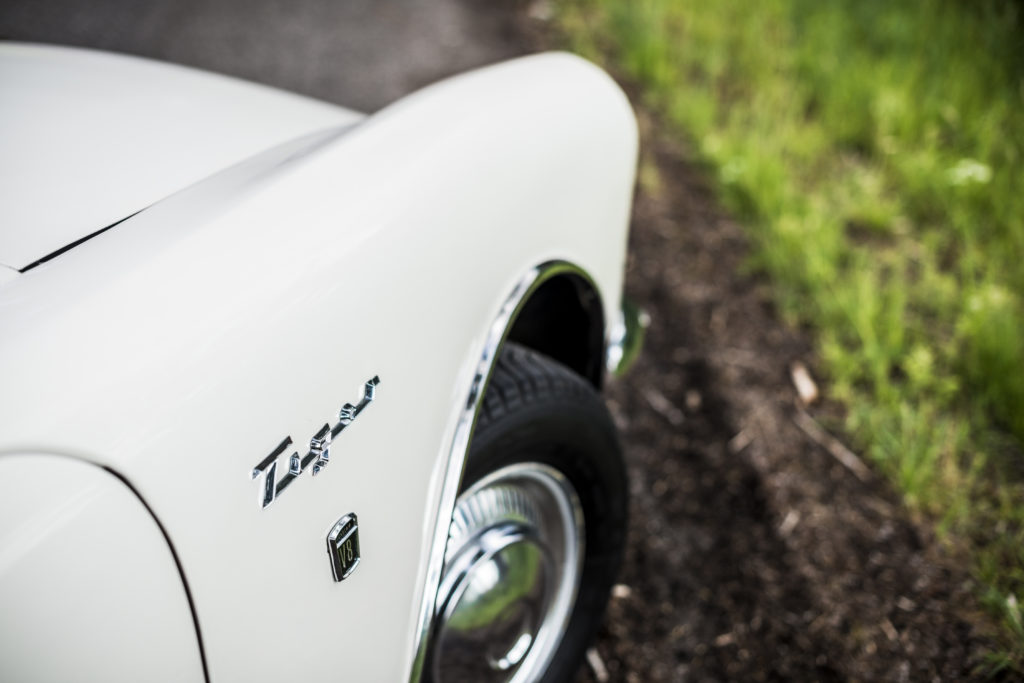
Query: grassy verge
[{"x": 875, "y": 151}]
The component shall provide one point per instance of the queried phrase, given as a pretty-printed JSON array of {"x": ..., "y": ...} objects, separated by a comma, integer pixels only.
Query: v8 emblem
[{"x": 318, "y": 455}]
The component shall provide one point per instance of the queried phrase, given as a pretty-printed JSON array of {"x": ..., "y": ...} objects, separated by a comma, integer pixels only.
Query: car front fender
[{"x": 182, "y": 346}]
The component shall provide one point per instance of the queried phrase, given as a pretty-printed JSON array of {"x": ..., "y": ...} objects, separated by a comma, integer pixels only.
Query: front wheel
[{"x": 538, "y": 530}]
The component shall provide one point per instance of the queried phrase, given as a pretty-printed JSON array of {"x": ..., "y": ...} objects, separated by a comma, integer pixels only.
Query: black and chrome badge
[{"x": 343, "y": 546}]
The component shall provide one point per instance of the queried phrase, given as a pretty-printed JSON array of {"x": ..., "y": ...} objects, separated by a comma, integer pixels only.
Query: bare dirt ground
[{"x": 754, "y": 554}]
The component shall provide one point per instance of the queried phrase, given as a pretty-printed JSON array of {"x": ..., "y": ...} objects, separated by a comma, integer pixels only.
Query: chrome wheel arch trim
[{"x": 498, "y": 332}]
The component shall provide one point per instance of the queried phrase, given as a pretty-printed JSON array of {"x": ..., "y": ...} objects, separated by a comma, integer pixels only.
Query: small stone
[
  {"x": 541, "y": 10},
  {"x": 693, "y": 400},
  {"x": 906, "y": 604}
]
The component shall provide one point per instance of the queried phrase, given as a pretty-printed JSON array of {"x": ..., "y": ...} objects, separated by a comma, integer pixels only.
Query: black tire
[{"x": 537, "y": 410}]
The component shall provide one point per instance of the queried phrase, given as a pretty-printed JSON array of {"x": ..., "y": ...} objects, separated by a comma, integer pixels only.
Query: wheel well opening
[{"x": 563, "y": 319}]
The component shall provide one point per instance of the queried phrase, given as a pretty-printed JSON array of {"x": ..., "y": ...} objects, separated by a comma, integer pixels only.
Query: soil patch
[{"x": 754, "y": 554}]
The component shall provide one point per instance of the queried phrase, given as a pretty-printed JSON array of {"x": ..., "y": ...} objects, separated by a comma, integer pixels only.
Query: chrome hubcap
[{"x": 512, "y": 569}]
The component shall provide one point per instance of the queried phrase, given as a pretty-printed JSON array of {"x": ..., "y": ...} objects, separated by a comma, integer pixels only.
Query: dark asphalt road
[{"x": 361, "y": 54}]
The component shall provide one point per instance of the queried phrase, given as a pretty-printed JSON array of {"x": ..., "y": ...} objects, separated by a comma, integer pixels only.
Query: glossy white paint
[
  {"x": 89, "y": 138},
  {"x": 88, "y": 586},
  {"x": 181, "y": 346},
  {"x": 7, "y": 274}
]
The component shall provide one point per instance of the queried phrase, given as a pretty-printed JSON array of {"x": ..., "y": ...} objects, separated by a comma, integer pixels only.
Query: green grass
[{"x": 874, "y": 149}]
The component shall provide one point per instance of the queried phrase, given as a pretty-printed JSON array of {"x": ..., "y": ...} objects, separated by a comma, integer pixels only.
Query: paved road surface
[{"x": 361, "y": 54}]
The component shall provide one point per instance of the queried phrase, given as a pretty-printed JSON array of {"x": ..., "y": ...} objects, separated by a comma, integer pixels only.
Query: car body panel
[
  {"x": 85, "y": 570},
  {"x": 180, "y": 347},
  {"x": 7, "y": 274},
  {"x": 90, "y": 138}
]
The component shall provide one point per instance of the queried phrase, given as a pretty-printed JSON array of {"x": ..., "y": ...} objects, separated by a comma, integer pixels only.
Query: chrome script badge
[{"x": 318, "y": 455}]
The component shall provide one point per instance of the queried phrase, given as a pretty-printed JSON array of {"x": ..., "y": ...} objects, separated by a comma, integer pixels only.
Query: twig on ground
[
  {"x": 789, "y": 523},
  {"x": 890, "y": 631},
  {"x": 740, "y": 358},
  {"x": 804, "y": 383},
  {"x": 597, "y": 665},
  {"x": 740, "y": 441},
  {"x": 664, "y": 407},
  {"x": 844, "y": 455}
]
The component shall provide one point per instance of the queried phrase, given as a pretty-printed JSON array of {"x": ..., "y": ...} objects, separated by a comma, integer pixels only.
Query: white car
[{"x": 292, "y": 393}]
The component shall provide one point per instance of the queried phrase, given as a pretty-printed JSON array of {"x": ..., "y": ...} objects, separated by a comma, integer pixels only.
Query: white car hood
[{"x": 89, "y": 138}]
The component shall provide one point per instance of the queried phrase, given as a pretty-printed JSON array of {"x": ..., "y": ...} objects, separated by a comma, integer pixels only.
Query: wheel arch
[
  {"x": 529, "y": 316},
  {"x": 563, "y": 318}
]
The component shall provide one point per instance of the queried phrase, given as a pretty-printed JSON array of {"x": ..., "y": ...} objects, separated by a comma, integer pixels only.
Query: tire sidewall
[{"x": 567, "y": 427}]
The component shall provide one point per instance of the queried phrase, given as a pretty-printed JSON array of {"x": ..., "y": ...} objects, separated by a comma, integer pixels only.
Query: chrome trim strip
[
  {"x": 626, "y": 338},
  {"x": 496, "y": 335}
]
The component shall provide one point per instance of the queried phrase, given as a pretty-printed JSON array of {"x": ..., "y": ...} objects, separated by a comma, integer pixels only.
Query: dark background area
[{"x": 361, "y": 54}]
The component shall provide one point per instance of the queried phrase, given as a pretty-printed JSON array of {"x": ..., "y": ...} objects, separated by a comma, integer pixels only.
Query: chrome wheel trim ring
[{"x": 512, "y": 570}]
